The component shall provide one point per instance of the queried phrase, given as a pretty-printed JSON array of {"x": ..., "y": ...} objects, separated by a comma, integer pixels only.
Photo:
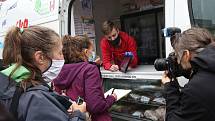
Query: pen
[{"x": 112, "y": 91}]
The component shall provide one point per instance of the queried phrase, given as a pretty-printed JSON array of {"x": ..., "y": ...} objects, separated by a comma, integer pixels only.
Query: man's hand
[
  {"x": 75, "y": 107},
  {"x": 114, "y": 68},
  {"x": 165, "y": 78}
]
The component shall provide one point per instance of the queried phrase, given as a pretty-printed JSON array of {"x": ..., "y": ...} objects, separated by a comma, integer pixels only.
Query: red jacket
[{"x": 116, "y": 54}]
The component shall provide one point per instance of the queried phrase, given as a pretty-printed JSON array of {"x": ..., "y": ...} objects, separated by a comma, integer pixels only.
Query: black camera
[{"x": 170, "y": 64}]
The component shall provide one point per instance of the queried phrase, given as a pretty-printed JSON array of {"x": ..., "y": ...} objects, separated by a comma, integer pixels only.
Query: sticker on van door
[{"x": 44, "y": 6}]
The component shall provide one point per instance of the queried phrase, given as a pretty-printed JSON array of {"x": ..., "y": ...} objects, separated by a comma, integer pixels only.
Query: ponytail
[
  {"x": 12, "y": 47},
  {"x": 20, "y": 46}
]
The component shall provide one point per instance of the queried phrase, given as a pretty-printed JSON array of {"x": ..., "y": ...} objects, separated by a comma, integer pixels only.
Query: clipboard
[
  {"x": 119, "y": 92},
  {"x": 124, "y": 64}
]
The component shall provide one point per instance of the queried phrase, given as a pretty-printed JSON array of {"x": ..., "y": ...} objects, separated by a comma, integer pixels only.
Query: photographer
[{"x": 195, "y": 53}]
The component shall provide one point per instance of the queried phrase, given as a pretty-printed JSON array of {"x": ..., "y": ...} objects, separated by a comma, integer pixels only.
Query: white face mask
[{"x": 53, "y": 71}]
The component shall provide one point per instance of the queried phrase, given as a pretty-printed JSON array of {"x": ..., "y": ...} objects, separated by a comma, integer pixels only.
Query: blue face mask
[
  {"x": 53, "y": 71},
  {"x": 92, "y": 57}
]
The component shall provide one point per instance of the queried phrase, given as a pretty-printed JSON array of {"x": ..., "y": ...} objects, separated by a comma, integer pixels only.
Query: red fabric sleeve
[{"x": 106, "y": 54}]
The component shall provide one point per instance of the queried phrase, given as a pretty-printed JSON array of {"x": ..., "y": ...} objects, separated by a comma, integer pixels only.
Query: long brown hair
[
  {"x": 192, "y": 39},
  {"x": 73, "y": 48},
  {"x": 20, "y": 46}
]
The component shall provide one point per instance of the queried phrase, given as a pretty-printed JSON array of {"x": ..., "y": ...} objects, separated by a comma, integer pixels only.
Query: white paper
[{"x": 119, "y": 92}]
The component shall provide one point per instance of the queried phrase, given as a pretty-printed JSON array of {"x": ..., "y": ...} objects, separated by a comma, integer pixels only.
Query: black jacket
[{"x": 196, "y": 101}]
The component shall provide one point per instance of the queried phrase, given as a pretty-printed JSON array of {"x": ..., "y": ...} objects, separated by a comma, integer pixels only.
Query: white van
[
  {"x": 142, "y": 19},
  {"x": 86, "y": 16}
]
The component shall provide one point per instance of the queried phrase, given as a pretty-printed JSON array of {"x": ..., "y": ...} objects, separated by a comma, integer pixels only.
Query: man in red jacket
[{"x": 115, "y": 45}]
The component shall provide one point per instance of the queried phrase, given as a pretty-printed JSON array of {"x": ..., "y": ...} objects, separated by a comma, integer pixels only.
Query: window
[
  {"x": 145, "y": 27},
  {"x": 202, "y": 14}
]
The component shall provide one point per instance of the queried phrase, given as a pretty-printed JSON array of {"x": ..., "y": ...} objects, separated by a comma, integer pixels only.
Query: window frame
[{"x": 190, "y": 9}]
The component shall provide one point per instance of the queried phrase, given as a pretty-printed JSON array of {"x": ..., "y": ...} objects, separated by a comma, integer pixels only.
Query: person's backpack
[
  {"x": 10, "y": 93},
  {"x": 15, "y": 100},
  {"x": 5, "y": 115}
]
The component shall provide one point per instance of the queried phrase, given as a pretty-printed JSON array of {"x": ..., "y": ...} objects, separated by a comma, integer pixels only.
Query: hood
[
  {"x": 7, "y": 89},
  {"x": 70, "y": 73},
  {"x": 205, "y": 59}
]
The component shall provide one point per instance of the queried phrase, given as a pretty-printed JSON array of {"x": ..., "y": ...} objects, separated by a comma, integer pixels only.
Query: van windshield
[{"x": 203, "y": 14}]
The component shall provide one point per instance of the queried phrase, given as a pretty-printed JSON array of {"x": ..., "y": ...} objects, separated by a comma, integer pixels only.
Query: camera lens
[{"x": 161, "y": 64}]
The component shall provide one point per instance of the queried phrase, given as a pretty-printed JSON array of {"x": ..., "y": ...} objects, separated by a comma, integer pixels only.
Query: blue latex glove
[{"x": 128, "y": 54}]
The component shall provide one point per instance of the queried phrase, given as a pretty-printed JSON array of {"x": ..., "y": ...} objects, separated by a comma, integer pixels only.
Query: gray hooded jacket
[{"x": 36, "y": 104}]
